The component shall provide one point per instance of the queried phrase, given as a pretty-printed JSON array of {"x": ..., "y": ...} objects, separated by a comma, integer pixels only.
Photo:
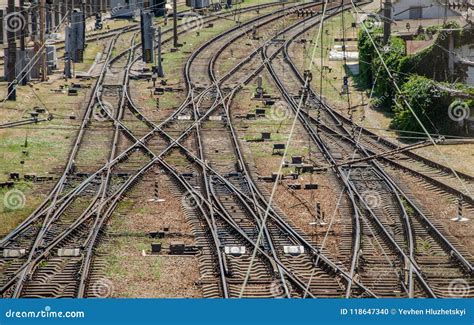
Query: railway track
[
  {"x": 226, "y": 202},
  {"x": 232, "y": 206},
  {"x": 188, "y": 187},
  {"x": 398, "y": 232},
  {"x": 68, "y": 213}
]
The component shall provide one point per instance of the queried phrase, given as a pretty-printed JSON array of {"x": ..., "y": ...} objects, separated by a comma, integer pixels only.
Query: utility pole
[
  {"x": 11, "y": 73},
  {"x": 23, "y": 78},
  {"x": 159, "y": 66},
  {"x": 175, "y": 25},
  {"x": 387, "y": 22},
  {"x": 445, "y": 18},
  {"x": 451, "y": 55},
  {"x": 44, "y": 69}
]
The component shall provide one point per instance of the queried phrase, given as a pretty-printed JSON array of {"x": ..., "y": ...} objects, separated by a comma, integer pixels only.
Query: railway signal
[
  {"x": 148, "y": 35},
  {"x": 345, "y": 85},
  {"x": 159, "y": 8},
  {"x": 98, "y": 21},
  {"x": 460, "y": 217}
]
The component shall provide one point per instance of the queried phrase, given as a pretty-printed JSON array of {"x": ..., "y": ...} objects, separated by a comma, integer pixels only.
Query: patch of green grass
[
  {"x": 423, "y": 246},
  {"x": 156, "y": 268},
  {"x": 16, "y": 204}
]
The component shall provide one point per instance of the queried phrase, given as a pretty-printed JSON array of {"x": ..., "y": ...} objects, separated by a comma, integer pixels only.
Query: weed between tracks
[
  {"x": 135, "y": 275},
  {"x": 299, "y": 206}
]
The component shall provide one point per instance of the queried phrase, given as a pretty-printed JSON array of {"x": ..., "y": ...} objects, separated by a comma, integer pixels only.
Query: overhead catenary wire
[
  {"x": 285, "y": 153},
  {"x": 398, "y": 90}
]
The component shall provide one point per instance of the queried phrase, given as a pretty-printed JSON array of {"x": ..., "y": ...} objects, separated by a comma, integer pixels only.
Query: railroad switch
[
  {"x": 277, "y": 148},
  {"x": 155, "y": 248},
  {"x": 293, "y": 250},
  {"x": 311, "y": 186},
  {"x": 177, "y": 248},
  {"x": 30, "y": 177},
  {"x": 308, "y": 75},
  {"x": 158, "y": 234},
  {"x": 13, "y": 253},
  {"x": 159, "y": 91},
  {"x": 294, "y": 186},
  {"x": 266, "y": 136},
  {"x": 69, "y": 252},
  {"x": 303, "y": 93},
  {"x": 296, "y": 160},
  {"x": 234, "y": 250},
  {"x": 15, "y": 176},
  {"x": 294, "y": 175},
  {"x": 72, "y": 92},
  {"x": 304, "y": 168},
  {"x": 187, "y": 175},
  {"x": 260, "y": 112},
  {"x": 6, "y": 184},
  {"x": 234, "y": 174},
  {"x": 276, "y": 176},
  {"x": 269, "y": 102},
  {"x": 39, "y": 110}
]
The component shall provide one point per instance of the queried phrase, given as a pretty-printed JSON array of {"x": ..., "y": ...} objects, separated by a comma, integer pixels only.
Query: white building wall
[
  {"x": 467, "y": 52},
  {"x": 431, "y": 9}
]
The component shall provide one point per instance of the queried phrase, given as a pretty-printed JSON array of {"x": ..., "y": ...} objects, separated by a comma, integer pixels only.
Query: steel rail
[
  {"x": 347, "y": 183},
  {"x": 42, "y": 209},
  {"x": 70, "y": 197},
  {"x": 367, "y": 152},
  {"x": 330, "y": 264}
]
